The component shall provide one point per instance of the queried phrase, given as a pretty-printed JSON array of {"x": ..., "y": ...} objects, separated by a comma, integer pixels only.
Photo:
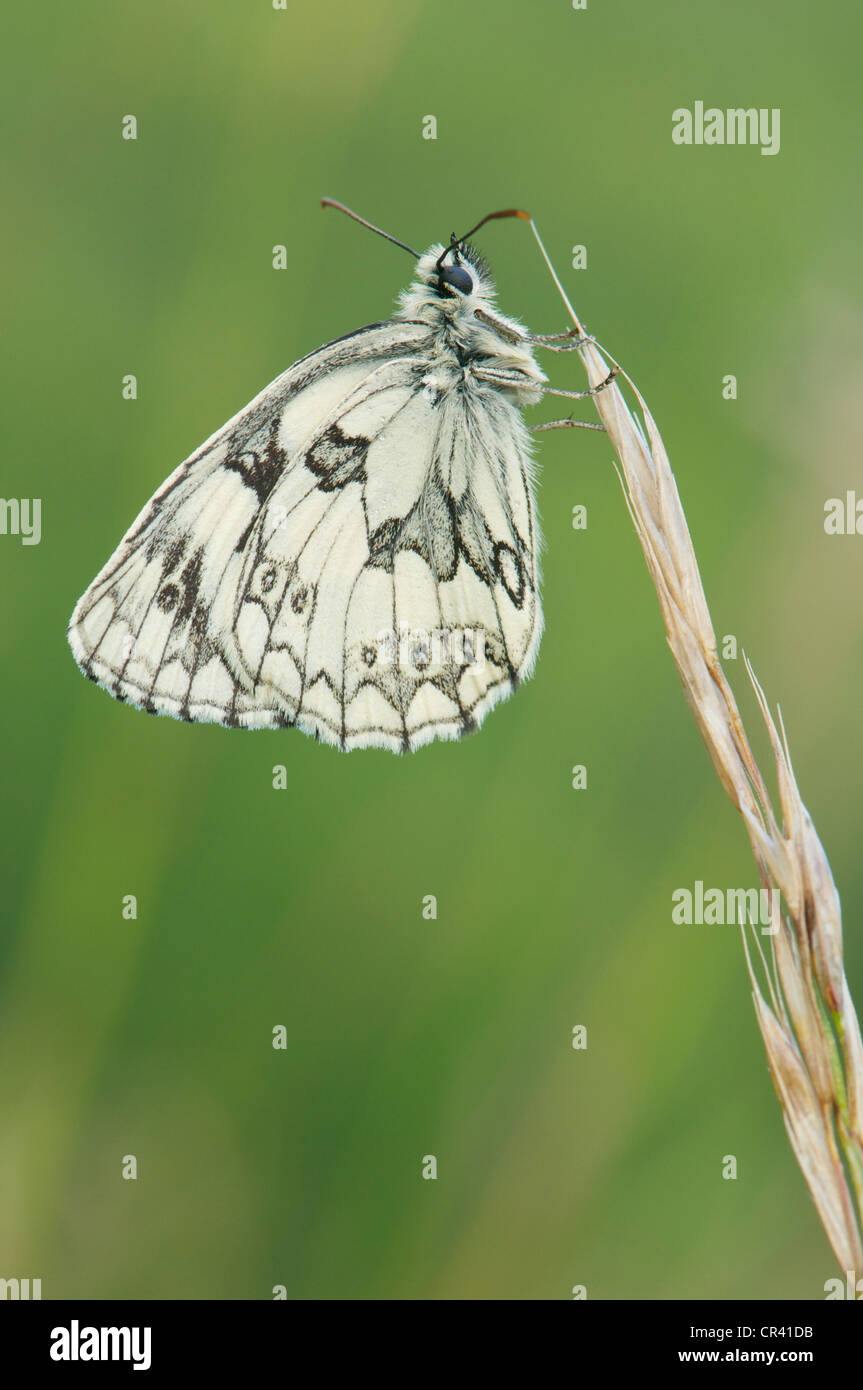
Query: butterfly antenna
[
  {"x": 331, "y": 203},
  {"x": 455, "y": 241}
]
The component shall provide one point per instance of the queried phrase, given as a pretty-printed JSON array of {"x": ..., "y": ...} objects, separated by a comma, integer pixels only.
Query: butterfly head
[
  {"x": 458, "y": 269},
  {"x": 452, "y": 285},
  {"x": 451, "y": 281}
]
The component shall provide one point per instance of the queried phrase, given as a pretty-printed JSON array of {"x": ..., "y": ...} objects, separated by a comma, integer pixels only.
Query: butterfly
[{"x": 355, "y": 554}]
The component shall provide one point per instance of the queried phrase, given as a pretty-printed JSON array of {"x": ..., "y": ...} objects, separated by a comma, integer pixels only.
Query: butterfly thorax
[{"x": 469, "y": 331}]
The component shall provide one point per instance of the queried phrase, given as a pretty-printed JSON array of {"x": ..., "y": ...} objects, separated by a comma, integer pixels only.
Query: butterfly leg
[
  {"x": 567, "y": 424},
  {"x": 553, "y": 342},
  {"x": 512, "y": 379},
  {"x": 581, "y": 395},
  {"x": 567, "y": 341},
  {"x": 555, "y": 347}
]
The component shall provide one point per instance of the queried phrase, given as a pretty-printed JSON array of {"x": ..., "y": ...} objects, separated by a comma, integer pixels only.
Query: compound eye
[{"x": 458, "y": 277}]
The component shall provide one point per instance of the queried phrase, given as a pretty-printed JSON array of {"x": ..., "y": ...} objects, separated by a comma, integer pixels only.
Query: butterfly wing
[
  {"x": 302, "y": 565},
  {"x": 151, "y": 627},
  {"x": 390, "y": 590}
]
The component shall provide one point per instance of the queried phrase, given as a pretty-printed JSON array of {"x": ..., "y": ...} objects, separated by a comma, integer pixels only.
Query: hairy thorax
[{"x": 475, "y": 346}]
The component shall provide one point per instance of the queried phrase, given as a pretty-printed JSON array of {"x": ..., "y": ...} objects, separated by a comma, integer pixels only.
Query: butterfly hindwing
[{"x": 389, "y": 594}]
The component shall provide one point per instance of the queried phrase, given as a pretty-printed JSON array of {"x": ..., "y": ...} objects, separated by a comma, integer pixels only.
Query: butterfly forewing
[{"x": 155, "y": 626}]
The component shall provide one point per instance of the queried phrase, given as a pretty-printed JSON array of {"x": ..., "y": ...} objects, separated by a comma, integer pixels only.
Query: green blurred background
[{"x": 303, "y": 907}]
